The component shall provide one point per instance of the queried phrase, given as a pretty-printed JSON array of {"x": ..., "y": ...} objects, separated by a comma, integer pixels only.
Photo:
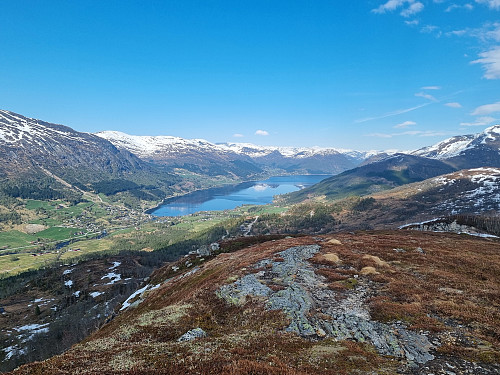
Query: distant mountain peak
[
  {"x": 457, "y": 146},
  {"x": 493, "y": 132},
  {"x": 175, "y": 151}
]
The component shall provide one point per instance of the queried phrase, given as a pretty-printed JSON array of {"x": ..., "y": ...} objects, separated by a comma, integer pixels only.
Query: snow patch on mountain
[
  {"x": 455, "y": 146},
  {"x": 19, "y": 130},
  {"x": 483, "y": 194},
  {"x": 147, "y": 146}
]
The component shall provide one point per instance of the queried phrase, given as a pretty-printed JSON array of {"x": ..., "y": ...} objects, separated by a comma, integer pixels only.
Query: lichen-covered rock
[
  {"x": 315, "y": 310},
  {"x": 193, "y": 334},
  {"x": 248, "y": 285}
]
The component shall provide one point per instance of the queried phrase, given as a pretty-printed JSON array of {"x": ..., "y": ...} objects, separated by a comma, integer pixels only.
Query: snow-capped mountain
[
  {"x": 20, "y": 131},
  {"x": 195, "y": 155},
  {"x": 256, "y": 151},
  {"x": 31, "y": 147},
  {"x": 187, "y": 153},
  {"x": 163, "y": 145},
  {"x": 467, "y": 151}
]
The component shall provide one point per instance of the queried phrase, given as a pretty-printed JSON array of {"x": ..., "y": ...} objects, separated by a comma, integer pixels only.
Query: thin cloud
[
  {"x": 491, "y": 63},
  {"x": 405, "y": 124},
  {"x": 427, "y": 29},
  {"x": 413, "y": 9},
  {"x": 390, "y": 114},
  {"x": 261, "y": 132},
  {"x": 490, "y": 31},
  {"x": 481, "y": 121},
  {"x": 379, "y": 135},
  {"x": 412, "y": 22},
  {"x": 410, "y": 7},
  {"x": 492, "y": 4},
  {"x": 389, "y": 6},
  {"x": 431, "y": 88},
  {"x": 457, "y": 32},
  {"x": 453, "y": 105},
  {"x": 426, "y": 96},
  {"x": 413, "y": 133},
  {"x": 486, "y": 109},
  {"x": 426, "y": 133},
  {"x": 494, "y": 32},
  {"x": 456, "y": 6},
  {"x": 238, "y": 135}
]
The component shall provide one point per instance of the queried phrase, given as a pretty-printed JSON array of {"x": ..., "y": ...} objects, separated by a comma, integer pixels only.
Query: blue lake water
[{"x": 229, "y": 197}]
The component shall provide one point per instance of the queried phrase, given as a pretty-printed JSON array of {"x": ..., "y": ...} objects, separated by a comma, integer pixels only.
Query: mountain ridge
[
  {"x": 33, "y": 150},
  {"x": 467, "y": 151},
  {"x": 176, "y": 151}
]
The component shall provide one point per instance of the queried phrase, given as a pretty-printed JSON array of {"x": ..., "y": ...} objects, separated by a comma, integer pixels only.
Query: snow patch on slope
[
  {"x": 482, "y": 195},
  {"x": 455, "y": 146},
  {"x": 147, "y": 146},
  {"x": 19, "y": 130}
]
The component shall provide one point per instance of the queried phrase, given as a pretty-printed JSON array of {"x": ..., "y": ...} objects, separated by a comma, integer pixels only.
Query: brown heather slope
[{"x": 443, "y": 287}]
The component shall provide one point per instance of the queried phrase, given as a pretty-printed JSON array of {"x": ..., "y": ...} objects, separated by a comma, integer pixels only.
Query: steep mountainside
[
  {"x": 196, "y": 155},
  {"x": 31, "y": 148},
  {"x": 387, "y": 173},
  {"x": 468, "y": 151},
  {"x": 378, "y": 302}
]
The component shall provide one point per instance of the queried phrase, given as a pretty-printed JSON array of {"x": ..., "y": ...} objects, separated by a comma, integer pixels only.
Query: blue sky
[{"x": 372, "y": 74}]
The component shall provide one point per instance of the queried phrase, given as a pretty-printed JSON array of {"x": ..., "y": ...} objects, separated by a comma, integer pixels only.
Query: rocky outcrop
[
  {"x": 193, "y": 334},
  {"x": 444, "y": 225},
  {"x": 316, "y": 311}
]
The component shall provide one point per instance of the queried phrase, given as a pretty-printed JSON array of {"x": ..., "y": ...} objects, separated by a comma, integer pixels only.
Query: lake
[{"x": 229, "y": 197}]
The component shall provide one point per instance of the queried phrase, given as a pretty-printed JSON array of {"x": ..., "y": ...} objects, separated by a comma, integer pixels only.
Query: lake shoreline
[{"x": 228, "y": 196}]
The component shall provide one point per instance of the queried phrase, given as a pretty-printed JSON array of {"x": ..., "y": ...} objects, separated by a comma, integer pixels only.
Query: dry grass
[
  {"x": 368, "y": 271},
  {"x": 455, "y": 280}
]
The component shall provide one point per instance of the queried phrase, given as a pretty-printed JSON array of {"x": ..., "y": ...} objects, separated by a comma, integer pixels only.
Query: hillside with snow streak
[
  {"x": 467, "y": 151},
  {"x": 31, "y": 149}
]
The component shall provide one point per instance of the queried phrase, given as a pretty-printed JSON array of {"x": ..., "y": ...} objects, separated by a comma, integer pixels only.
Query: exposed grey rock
[
  {"x": 305, "y": 293},
  {"x": 248, "y": 285},
  {"x": 204, "y": 251},
  {"x": 193, "y": 334}
]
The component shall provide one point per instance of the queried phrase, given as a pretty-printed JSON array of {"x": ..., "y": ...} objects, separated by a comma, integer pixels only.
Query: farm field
[{"x": 148, "y": 236}]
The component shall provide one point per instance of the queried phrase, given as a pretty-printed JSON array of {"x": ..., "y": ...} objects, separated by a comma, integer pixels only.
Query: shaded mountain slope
[{"x": 471, "y": 192}]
